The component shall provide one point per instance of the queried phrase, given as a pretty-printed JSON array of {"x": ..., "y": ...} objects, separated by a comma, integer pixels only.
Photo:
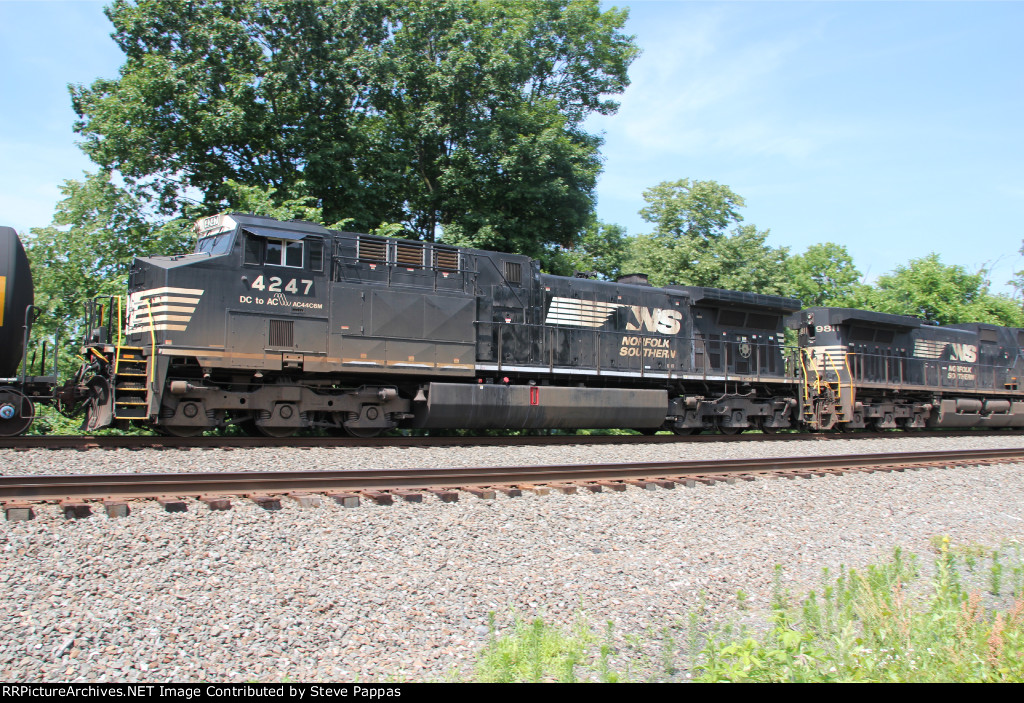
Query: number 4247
[{"x": 273, "y": 285}]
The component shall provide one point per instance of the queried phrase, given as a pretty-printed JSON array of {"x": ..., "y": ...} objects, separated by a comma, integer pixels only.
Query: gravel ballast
[
  {"x": 96, "y": 461},
  {"x": 404, "y": 591}
]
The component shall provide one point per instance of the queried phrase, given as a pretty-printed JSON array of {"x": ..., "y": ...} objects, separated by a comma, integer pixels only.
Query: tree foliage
[
  {"x": 943, "y": 293},
  {"x": 692, "y": 244},
  {"x": 697, "y": 210},
  {"x": 98, "y": 229},
  {"x": 1018, "y": 280},
  {"x": 602, "y": 249},
  {"x": 824, "y": 275},
  {"x": 445, "y": 115}
]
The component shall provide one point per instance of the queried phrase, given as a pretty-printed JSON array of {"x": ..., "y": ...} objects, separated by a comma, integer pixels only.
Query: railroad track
[
  {"x": 88, "y": 442},
  {"x": 385, "y": 486}
]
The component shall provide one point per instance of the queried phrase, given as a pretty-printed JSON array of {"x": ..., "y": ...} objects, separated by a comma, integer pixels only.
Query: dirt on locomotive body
[{"x": 279, "y": 327}]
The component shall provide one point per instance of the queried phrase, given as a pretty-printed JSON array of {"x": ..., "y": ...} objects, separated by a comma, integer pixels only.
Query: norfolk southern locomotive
[{"x": 283, "y": 326}]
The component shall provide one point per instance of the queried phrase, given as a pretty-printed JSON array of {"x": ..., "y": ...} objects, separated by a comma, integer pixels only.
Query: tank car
[
  {"x": 866, "y": 369},
  {"x": 23, "y": 381}
]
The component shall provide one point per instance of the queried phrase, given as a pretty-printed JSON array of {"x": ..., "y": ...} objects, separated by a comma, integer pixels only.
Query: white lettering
[{"x": 656, "y": 320}]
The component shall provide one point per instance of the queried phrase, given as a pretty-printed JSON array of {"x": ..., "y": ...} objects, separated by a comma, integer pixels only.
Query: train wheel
[
  {"x": 685, "y": 431},
  {"x": 279, "y": 432},
  {"x": 182, "y": 430},
  {"x": 247, "y": 427},
  {"x": 646, "y": 431},
  {"x": 878, "y": 424},
  {"x": 367, "y": 433},
  {"x": 731, "y": 430},
  {"x": 769, "y": 430},
  {"x": 16, "y": 413}
]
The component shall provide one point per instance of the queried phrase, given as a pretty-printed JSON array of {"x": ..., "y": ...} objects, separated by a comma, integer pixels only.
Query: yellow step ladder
[{"x": 131, "y": 393}]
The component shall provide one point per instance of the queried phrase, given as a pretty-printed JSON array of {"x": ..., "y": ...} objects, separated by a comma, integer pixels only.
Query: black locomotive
[
  {"x": 867, "y": 369},
  {"x": 283, "y": 326}
]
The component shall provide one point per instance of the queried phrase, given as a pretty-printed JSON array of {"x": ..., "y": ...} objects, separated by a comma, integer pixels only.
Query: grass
[
  {"x": 533, "y": 652},
  {"x": 963, "y": 622}
]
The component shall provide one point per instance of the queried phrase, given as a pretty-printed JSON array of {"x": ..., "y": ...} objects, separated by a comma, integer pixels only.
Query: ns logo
[
  {"x": 654, "y": 320},
  {"x": 963, "y": 352}
]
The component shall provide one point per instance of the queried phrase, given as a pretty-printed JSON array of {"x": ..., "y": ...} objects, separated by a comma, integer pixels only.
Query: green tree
[
  {"x": 696, "y": 210},
  {"x": 97, "y": 231},
  {"x": 1018, "y": 281},
  {"x": 441, "y": 115},
  {"x": 693, "y": 245},
  {"x": 601, "y": 250},
  {"x": 943, "y": 293},
  {"x": 824, "y": 275}
]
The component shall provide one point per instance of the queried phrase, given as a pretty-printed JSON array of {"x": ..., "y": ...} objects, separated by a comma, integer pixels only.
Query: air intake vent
[
  {"x": 446, "y": 259},
  {"x": 409, "y": 254},
  {"x": 282, "y": 333},
  {"x": 513, "y": 272},
  {"x": 372, "y": 250}
]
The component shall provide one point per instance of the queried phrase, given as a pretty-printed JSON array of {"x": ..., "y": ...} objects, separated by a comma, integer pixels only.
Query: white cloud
[{"x": 694, "y": 73}]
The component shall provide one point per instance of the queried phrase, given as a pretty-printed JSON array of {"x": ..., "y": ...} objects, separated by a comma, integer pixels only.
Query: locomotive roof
[
  {"x": 265, "y": 226},
  {"x": 837, "y": 316},
  {"x": 720, "y": 297},
  {"x": 277, "y": 228}
]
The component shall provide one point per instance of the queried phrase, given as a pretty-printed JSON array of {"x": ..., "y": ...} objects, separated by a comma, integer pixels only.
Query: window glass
[
  {"x": 274, "y": 250},
  {"x": 763, "y": 322},
  {"x": 731, "y": 318},
  {"x": 861, "y": 334},
  {"x": 316, "y": 256},
  {"x": 215, "y": 245},
  {"x": 293, "y": 254},
  {"x": 253, "y": 250}
]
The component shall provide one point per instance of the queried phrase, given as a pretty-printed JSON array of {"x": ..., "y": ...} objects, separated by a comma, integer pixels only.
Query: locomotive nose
[{"x": 16, "y": 295}]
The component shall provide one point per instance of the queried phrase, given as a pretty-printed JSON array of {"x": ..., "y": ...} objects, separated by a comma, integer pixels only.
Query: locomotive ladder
[
  {"x": 834, "y": 401},
  {"x": 129, "y": 384}
]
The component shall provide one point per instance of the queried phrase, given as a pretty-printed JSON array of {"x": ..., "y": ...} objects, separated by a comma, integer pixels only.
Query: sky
[{"x": 893, "y": 128}]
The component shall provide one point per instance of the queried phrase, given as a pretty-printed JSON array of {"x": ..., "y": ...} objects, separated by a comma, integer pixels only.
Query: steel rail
[
  {"x": 153, "y": 485},
  {"x": 82, "y": 442}
]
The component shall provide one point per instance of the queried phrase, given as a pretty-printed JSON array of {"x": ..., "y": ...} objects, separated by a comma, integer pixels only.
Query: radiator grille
[
  {"x": 372, "y": 250},
  {"x": 513, "y": 272},
  {"x": 446, "y": 259},
  {"x": 409, "y": 254},
  {"x": 282, "y": 333}
]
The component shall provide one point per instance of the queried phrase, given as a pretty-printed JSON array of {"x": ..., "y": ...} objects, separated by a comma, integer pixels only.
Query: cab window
[
  {"x": 281, "y": 252},
  {"x": 273, "y": 252},
  {"x": 216, "y": 245}
]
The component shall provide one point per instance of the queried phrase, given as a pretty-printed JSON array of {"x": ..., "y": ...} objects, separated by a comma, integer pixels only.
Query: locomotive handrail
[
  {"x": 120, "y": 327},
  {"x": 839, "y": 377},
  {"x": 600, "y": 344},
  {"x": 152, "y": 345},
  {"x": 436, "y": 272},
  {"x": 817, "y": 376},
  {"x": 28, "y": 325}
]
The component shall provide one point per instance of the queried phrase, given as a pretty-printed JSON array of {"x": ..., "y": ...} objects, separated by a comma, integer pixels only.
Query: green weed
[{"x": 872, "y": 626}]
